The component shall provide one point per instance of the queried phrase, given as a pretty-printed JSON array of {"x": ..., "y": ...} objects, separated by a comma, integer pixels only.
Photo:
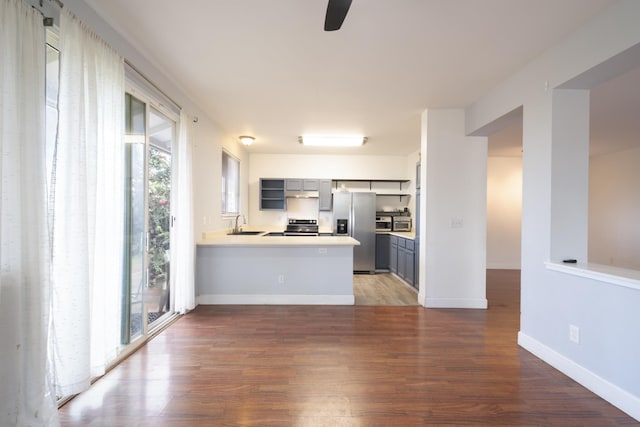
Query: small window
[{"x": 230, "y": 184}]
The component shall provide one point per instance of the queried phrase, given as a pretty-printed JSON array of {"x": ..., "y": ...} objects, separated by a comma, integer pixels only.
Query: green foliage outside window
[{"x": 159, "y": 214}]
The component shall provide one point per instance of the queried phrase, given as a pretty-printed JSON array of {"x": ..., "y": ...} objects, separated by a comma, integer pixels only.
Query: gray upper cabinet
[
  {"x": 294, "y": 184},
  {"x": 298, "y": 184},
  {"x": 272, "y": 194},
  {"x": 310, "y": 185},
  {"x": 324, "y": 203}
]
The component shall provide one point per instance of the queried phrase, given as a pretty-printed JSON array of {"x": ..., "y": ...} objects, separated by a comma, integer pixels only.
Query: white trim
[
  {"x": 613, "y": 394},
  {"x": 479, "y": 303},
  {"x": 276, "y": 299},
  {"x": 603, "y": 273}
]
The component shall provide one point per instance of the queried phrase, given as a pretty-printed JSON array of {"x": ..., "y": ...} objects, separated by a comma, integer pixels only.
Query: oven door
[{"x": 383, "y": 223}]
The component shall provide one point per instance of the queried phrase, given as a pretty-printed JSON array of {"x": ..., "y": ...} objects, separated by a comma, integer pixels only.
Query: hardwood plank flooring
[
  {"x": 382, "y": 289},
  {"x": 342, "y": 366}
]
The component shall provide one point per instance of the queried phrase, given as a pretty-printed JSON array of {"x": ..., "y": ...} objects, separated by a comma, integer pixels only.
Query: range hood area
[{"x": 302, "y": 194}]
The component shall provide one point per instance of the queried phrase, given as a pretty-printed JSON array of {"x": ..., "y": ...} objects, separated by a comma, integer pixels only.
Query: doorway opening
[{"x": 504, "y": 202}]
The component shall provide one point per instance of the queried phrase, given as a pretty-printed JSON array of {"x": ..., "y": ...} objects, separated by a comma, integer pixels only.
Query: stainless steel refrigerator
[{"x": 354, "y": 214}]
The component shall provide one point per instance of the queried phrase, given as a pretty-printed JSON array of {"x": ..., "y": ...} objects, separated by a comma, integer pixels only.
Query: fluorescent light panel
[{"x": 332, "y": 141}]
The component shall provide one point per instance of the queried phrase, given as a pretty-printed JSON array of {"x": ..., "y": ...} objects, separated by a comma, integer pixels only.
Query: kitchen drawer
[
  {"x": 394, "y": 240},
  {"x": 401, "y": 242},
  {"x": 409, "y": 244}
]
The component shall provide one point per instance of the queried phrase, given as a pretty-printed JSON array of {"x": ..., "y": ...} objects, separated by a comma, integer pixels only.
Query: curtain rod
[
  {"x": 133, "y": 67},
  {"x": 58, "y": 2},
  {"x": 38, "y": 5}
]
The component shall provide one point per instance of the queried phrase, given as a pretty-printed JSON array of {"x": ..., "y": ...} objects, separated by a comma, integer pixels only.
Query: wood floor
[
  {"x": 342, "y": 366},
  {"x": 382, "y": 289}
]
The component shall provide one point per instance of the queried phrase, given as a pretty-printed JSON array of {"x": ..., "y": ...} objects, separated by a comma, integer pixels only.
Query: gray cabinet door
[
  {"x": 393, "y": 257},
  {"x": 310, "y": 185},
  {"x": 409, "y": 266},
  {"x": 383, "y": 251},
  {"x": 324, "y": 203},
  {"x": 294, "y": 184}
]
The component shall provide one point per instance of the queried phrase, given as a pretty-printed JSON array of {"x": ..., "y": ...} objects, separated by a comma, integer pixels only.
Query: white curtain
[
  {"x": 25, "y": 395},
  {"x": 183, "y": 247},
  {"x": 88, "y": 208}
]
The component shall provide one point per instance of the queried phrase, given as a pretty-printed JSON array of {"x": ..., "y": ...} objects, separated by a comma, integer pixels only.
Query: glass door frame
[{"x": 148, "y": 328}]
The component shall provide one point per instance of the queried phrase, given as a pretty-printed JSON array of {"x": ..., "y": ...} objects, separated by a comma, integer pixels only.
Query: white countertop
[
  {"x": 222, "y": 239},
  {"x": 406, "y": 234}
]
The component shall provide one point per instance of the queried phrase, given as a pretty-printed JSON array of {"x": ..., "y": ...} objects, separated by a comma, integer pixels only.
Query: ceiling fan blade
[{"x": 336, "y": 12}]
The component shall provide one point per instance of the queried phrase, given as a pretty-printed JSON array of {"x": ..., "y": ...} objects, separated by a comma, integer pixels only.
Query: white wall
[
  {"x": 320, "y": 166},
  {"x": 614, "y": 209},
  {"x": 606, "y": 358},
  {"x": 453, "y": 236},
  {"x": 209, "y": 141},
  {"x": 504, "y": 211}
]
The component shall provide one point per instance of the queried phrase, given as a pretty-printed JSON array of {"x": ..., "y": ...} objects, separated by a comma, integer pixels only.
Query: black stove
[{"x": 302, "y": 227}]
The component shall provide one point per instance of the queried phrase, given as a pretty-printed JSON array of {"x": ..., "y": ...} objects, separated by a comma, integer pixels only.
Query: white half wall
[
  {"x": 504, "y": 212},
  {"x": 454, "y": 241}
]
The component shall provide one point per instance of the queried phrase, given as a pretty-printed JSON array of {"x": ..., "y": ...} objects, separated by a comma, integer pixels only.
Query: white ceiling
[{"x": 266, "y": 67}]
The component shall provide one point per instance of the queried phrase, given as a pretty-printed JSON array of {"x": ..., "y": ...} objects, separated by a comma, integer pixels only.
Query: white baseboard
[
  {"x": 613, "y": 394},
  {"x": 276, "y": 299},
  {"x": 479, "y": 303}
]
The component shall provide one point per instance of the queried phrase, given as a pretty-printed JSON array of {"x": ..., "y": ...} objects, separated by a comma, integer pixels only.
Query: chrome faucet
[{"x": 244, "y": 221}]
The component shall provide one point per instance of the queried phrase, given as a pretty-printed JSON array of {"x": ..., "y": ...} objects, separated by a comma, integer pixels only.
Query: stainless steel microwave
[{"x": 401, "y": 223}]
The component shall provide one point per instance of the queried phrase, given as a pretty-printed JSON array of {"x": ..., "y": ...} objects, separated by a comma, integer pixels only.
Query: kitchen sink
[{"x": 245, "y": 233}]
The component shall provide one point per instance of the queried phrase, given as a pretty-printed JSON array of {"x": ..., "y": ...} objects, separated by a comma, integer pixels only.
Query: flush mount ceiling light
[
  {"x": 246, "y": 140},
  {"x": 332, "y": 141}
]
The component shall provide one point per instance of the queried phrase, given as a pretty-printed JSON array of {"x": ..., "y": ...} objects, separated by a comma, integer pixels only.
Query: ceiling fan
[{"x": 336, "y": 12}]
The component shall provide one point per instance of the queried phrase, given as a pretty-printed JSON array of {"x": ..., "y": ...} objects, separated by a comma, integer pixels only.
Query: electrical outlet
[
  {"x": 281, "y": 278},
  {"x": 457, "y": 222},
  {"x": 322, "y": 250},
  {"x": 574, "y": 334}
]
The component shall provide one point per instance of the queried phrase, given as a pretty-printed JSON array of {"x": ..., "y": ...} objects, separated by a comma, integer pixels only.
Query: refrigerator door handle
[{"x": 352, "y": 221}]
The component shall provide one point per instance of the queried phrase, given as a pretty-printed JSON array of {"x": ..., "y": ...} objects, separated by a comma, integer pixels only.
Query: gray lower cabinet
[
  {"x": 402, "y": 258},
  {"x": 383, "y": 251},
  {"x": 402, "y": 255},
  {"x": 409, "y": 262},
  {"x": 393, "y": 254}
]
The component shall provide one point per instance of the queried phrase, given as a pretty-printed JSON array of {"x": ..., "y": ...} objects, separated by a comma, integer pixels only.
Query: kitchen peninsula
[{"x": 263, "y": 269}]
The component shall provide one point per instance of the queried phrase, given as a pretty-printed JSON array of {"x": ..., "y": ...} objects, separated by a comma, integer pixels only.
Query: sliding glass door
[
  {"x": 161, "y": 136},
  {"x": 148, "y": 221}
]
